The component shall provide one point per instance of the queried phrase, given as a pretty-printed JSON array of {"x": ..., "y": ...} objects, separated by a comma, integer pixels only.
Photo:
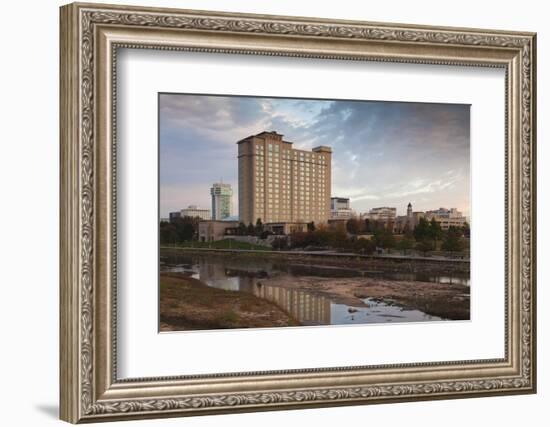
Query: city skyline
[{"x": 384, "y": 153}]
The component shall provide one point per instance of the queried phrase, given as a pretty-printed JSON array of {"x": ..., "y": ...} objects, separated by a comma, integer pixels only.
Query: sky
[{"x": 384, "y": 153}]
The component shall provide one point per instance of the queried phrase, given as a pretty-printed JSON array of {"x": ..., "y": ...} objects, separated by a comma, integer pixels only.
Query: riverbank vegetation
[{"x": 354, "y": 235}]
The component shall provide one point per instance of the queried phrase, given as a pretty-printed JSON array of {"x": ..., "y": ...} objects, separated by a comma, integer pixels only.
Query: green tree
[
  {"x": 250, "y": 229},
  {"x": 185, "y": 228},
  {"x": 435, "y": 231},
  {"x": 453, "y": 241},
  {"x": 405, "y": 244},
  {"x": 241, "y": 229},
  {"x": 384, "y": 238},
  {"x": 425, "y": 246},
  {"x": 168, "y": 233},
  {"x": 259, "y": 227},
  {"x": 422, "y": 230}
]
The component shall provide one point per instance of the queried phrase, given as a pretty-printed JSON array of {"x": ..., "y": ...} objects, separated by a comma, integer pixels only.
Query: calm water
[{"x": 307, "y": 307}]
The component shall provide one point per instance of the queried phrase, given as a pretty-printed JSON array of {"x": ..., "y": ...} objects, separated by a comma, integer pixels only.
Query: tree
[
  {"x": 407, "y": 231},
  {"x": 265, "y": 234},
  {"x": 241, "y": 229},
  {"x": 368, "y": 225},
  {"x": 384, "y": 238},
  {"x": 280, "y": 243},
  {"x": 425, "y": 246},
  {"x": 259, "y": 227},
  {"x": 179, "y": 230},
  {"x": 422, "y": 230},
  {"x": 452, "y": 241},
  {"x": 466, "y": 230},
  {"x": 405, "y": 244},
  {"x": 311, "y": 226},
  {"x": 363, "y": 246},
  {"x": 250, "y": 229},
  {"x": 435, "y": 231},
  {"x": 168, "y": 233},
  {"x": 353, "y": 226}
]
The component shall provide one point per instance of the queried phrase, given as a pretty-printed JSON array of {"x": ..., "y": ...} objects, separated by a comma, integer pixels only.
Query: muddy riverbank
[
  {"x": 246, "y": 290},
  {"x": 446, "y": 301},
  {"x": 189, "y": 304}
]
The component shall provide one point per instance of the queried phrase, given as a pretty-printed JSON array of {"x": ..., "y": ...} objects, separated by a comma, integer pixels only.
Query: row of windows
[
  {"x": 287, "y": 161},
  {"x": 291, "y": 154}
]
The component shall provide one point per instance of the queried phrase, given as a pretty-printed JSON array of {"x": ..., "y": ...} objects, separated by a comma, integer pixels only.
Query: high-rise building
[
  {"x": 278, "y": 183},
  {"x": 194, "y": 211},
  {"x": 222, "y": 198}
]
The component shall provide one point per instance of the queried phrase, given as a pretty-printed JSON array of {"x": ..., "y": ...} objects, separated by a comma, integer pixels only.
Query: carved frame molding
[{"x": 90, "y": 38}]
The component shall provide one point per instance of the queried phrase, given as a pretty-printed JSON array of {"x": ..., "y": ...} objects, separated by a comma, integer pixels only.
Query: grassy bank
[{"x": 189, "y": 304}]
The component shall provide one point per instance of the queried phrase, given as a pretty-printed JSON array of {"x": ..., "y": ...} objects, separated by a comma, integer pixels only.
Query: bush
[
  {"x": 364, "y": 246},
  {"x": 280, "y": 244},
  {"x": 425, "y": 246}
]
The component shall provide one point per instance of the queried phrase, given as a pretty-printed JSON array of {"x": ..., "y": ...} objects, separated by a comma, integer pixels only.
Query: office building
[
  {"x": 278, "y": 183},
  {"x": 382, "y": 214},
  {"x": 340, "y": 208},
  {"x": 194, "y": 212},
  {"x": 172, "y": 216},
  {"x": 447, "y": 217},
  {"x": 222, "y": 199}
]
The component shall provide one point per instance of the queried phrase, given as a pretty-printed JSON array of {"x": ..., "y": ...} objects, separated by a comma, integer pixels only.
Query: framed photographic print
[{"x": 266, "y": 212}]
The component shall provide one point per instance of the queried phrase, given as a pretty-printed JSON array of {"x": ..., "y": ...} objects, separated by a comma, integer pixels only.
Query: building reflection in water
[{"x": 305, "y": 307}]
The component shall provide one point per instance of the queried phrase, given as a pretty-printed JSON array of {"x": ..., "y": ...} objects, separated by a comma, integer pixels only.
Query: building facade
[
  {"x": 278, "y": 183},
  {"x": 382, "y": 214},
  {"x": 172, "y": 216},
  {"x": 447, "y": 217},
  {"x": 340, "y": 208},
  {"x": 210, "y": 231},
  {"x": 222, "y": 200},
  {"x": 194, "y": 211}
]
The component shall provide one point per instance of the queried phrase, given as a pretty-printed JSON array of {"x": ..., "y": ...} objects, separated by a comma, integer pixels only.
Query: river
[{"x": 309, "y": 308}]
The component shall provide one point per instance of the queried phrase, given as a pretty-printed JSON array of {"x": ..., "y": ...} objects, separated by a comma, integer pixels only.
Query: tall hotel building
[{"x": 280, "y": 184}]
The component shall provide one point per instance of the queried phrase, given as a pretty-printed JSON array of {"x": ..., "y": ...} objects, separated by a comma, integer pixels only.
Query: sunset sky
[{"x": 384, "y": 153}]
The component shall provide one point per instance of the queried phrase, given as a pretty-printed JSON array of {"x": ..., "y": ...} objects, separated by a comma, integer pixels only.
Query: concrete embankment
[{"x": 388, "y": 263}]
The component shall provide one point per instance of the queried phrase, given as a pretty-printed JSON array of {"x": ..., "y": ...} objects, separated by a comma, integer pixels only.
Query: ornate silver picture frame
[{"x": 91, "y": 36}]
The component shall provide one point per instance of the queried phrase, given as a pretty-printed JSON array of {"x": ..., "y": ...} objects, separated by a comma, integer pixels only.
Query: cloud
[{"x": 383, "y": 152}]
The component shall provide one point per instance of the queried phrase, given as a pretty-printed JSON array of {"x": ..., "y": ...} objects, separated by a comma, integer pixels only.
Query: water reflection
[{"x": 307, "y": 307}]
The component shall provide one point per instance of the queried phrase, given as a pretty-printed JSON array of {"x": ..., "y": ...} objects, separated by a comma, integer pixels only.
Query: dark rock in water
[{"x": 352, "y": 310}]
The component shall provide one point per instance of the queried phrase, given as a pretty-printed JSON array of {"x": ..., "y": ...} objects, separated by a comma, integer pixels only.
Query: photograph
[{"x": 311, "y": 212}]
